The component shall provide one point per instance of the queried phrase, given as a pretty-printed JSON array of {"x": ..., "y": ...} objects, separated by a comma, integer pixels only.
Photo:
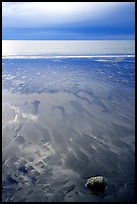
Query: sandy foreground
[{"x": 53, "y": 141}]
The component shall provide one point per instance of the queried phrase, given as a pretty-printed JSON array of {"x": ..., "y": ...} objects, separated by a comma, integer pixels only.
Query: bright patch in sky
[{"x": 67, "y": 20}]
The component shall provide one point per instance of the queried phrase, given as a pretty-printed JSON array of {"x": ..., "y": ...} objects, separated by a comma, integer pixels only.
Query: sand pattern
[{"x": 63, "y": 121}]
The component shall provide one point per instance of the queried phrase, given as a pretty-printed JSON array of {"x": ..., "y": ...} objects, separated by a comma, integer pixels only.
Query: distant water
[
  {"x": 67, "y": 48},
  {"x": 68, "y": 113}
]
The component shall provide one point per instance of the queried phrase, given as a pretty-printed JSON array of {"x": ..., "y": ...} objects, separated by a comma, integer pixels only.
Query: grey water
[
  {"x": 68, "y": 113},
  {"x": 67, "y": 47}
]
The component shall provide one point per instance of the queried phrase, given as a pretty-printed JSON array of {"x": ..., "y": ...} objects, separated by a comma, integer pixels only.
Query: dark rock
[{"x": 96, "y": 184}]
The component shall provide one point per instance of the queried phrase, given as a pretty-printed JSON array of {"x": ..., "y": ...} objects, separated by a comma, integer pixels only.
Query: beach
[{"x": 65, "y": 120}]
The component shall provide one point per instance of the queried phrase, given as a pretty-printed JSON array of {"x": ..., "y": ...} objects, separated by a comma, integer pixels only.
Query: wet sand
[{"x": 63, "y": 123}]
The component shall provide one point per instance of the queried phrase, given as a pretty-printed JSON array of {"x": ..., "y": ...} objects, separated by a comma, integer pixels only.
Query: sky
[{"x": 68, "y": 20}]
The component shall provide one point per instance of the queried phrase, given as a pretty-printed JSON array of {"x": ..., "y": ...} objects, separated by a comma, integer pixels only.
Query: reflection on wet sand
[{"x": 53, "y": 141}]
